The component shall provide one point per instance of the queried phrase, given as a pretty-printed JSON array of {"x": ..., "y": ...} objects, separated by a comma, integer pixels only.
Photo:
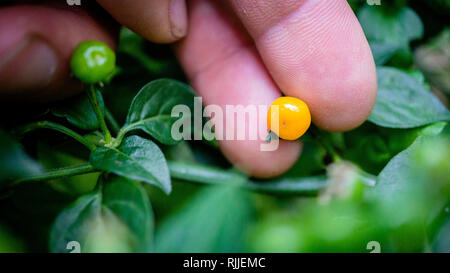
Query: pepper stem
[{"x": 92, "y": 94}]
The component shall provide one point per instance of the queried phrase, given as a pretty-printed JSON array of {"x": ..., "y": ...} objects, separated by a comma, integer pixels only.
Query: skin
[
  {"x": 233, "y": 51},
  {"x": 92, "y": 61}
]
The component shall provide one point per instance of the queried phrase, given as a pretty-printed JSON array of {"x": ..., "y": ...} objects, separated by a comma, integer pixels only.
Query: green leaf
[
  {"x": 134, "y": 45},
  {"x": 213, "y": 221},
  {"x": 136, "y": 158},
  {"x": 151, "y": 109},
  {"x": 403, "y": 102},
  {"x": 406, "y": 183},
  {"x": 310, "y": 163},
  {"x": 389, "y": 32},
  {"x": 118, "y": 217},
  {"x": 382, "y": 52},
  {"x": 371, "y": 147},
  {"x": 396, "y": 187},
  {"x": 368, "y": 149},
  {"x": 14, "y": 162},
  {"x": 79, "y": 112}
]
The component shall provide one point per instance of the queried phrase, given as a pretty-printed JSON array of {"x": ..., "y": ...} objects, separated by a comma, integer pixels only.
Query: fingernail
[
  {"x": 30, "y": 65},
  {"x": 178, "y": 18}
]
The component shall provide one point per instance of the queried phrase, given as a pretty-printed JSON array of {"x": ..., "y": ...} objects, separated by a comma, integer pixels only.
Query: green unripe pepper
[{"x": 93, "y": 61}]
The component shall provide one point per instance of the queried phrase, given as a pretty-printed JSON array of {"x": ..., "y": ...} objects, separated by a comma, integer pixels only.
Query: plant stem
[
  {"x": 58, "y": 173},
  {"x": 194, "y": 173},
  {"x": 305, "y": 186},
  {"x": 92, "y": 94},
  {"x": 53, "y": 126},
  {"x": 112, "y": 121},
  {"x": 330, "y": 149},
  {"x": 121, "y": 134},
  {"x": 124, "y": 130}
]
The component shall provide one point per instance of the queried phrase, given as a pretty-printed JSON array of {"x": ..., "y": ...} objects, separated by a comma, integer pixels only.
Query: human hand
[
  {"x": 249, "y": 52},
  {"x": 237, "y": 52}
]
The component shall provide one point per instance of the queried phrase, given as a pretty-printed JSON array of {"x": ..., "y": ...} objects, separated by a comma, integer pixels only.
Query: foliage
[{"x": 136, "y": 189}]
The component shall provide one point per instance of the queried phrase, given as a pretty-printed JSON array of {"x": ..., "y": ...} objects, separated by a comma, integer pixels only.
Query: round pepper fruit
[
  {"x": 93, "y": 61},
  {"x": 294, "y": 118}
]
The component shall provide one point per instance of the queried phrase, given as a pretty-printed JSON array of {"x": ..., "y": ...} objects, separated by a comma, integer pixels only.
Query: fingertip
[
  {"x": 160, "y": 21},
  {"x": 345, "y": 100},
  {"x": 353, "y": 104},
  {"x": 178, "y": 18}
]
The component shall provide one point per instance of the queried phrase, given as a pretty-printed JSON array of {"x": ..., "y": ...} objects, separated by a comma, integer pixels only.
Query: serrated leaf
[
  {"x": 136, "y": 158},
  {"x": 403, "y": 102},
  {"x": 117, "y": 217},
  {"x": 79, "y": 112},
  {"x": 151, "y": 108}
]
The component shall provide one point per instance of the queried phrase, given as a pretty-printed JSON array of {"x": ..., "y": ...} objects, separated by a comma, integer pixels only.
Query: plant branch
[
  {"x": 120, "y": 135},
  {"x": 58, "y": 173},
  {"x": 124, "y": 130},
  {"x": 305, "y": 186},
  {"x": 194, "y": 173},
  {"x": 53, "y": 126}
]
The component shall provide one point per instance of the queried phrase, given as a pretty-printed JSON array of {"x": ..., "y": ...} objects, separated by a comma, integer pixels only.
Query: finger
[
  {"x": 316, "y": 51},
  {"x": 225, "y": 70},
  {"x": 36, "y": 43},
  {"x": 160, "y": 21}
]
